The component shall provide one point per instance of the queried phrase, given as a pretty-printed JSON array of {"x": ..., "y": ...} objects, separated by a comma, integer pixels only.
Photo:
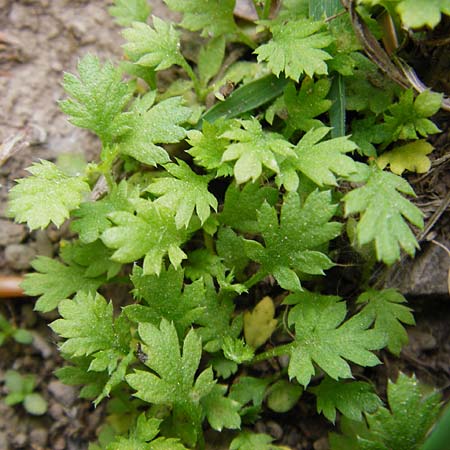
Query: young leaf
[
  {"x": 221, "y": 412},
  {"x": 417, "y": 13},
  {"x": 217, "y": 322},
  {"x": 246, "y": 440},
  {"x": 291, "y": 243},
  {"x": 95, "y": 257},
  {"x": 283, "y": 395},
  {"x": 386, "y": 308},
  {"x": 410, "y": 157},
  {"x": 322, "y": 337},
  {"x": 128, "y": 11},
  {"x": 210, "y": 59},
  {"x": 237, "y": 350},
  {"x": 408, "y": 118},
  {"x": 350, "y": 398},
  {"x": 253, "y": 149},
  {"x": 164, "y": 297},
  {"x": 48, "y": 195},
  {"x": 249, "y": 390},
  {"x": 209, "y": 145},
  {"x": 302, "y": 106},
  {"x": 321, "y": 161},
  {"x": 56, "y": 281},
  {"x": 109, "y": 345},
  {"x": 142, "y": 437},
  {"x": 260, "y": 323},
  {"x": 403, "y": 426},
  {"x": 240, "y": 205},
  {"x": 154, "y": 124},
  {"x": 97, "y": 99},
  {"x": 157, "y": 47},
  {"x": 151, "y": 234},
  {"x": 172, "y": 380},
  {"x": 91, "y": 218},
  {"x": 184, "y": 192},
  {"x": 294, "y": 38},
  {"x": 383, "y": 210},
  {"x": 212, "y": 19}
]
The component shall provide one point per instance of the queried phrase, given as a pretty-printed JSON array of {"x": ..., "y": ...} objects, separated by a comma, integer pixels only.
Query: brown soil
[{"x": 40, "y": 39}]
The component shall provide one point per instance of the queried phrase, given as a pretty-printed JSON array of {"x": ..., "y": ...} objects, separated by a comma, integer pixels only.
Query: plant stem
[
  {"x": 273, "y": 352},
  {"x": 266, "y": 10},
  {"x": 188, "y": 69},
  {"x": 255, "y": 278}
]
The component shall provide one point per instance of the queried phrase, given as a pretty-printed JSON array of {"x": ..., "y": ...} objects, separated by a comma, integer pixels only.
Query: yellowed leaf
[
  {"x": 260, "y": 324},
  {"x": 410, "y": 157}
]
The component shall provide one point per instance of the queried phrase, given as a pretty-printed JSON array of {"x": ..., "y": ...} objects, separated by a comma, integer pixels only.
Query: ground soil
[{"x": 39, "y": 39}]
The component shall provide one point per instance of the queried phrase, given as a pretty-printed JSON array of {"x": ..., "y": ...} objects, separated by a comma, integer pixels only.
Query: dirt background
[{"x": 39, "y": 39}]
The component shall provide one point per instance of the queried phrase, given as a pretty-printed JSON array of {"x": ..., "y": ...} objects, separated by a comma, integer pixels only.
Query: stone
[
  {"x": 39, "y": 437},
  {"x": 11, "y": 233},
  {"x": 66, "y": 395},
  {"x": 19, "y": 256}
]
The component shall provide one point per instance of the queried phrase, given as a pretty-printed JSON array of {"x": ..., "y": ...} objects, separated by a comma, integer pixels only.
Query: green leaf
[
  {"x": 209, "y": 145},
  {"x": 91, "y": 218},
  {"x": 230, "y": 247},
  {"x": 83, "y": 314},
  {"x": 154, "y": 124},
  {"x": 321, "y": 161},
  {"x": 386, "y": 308},
  {"x": 212, "y": 18},
  {"x": 95, "y": 257},
  {"x": 294, "y": 38},
  {"x": 283, "y": 395},
  {"x": 417, "y": 13},
  {"x": 412, "y": 412},
  {"x": 217, "y": 321},
  {"x": 408, "y": 118},
  {"x": 56, "y": 281},
  {"x": 253, "y": 149},
  {"x": 157, "y": 47},
  {"x": 97, "y": 99},
  {"x": 128, "y": 11},
  {"x": 410, "y": 157},
  {"x": 383, "y": 212},
  {"x": 221, "y": 412},
  {"x": 35, "y": 404},
  {"x": 210, "y": 59},
  {"x": 246, "y": 440},
  {"x": 204, "y": 264},
  {"x": 142, "y": 437},
  {"x": 350, "y": 398},
  {"x": 151, "y": 234},
  {"x": 323, "y": 337},
  {"x": 165, "y": 296},
  {"x": 172, "y": 380},
  {"x": 48, "y": 195},
  {"x": 108, "y": 345},
  {"x": 291, "y": 244},
  {"x": 302, "y": 106},
  {"x": 237, "y": 350},
  {"x": 184, "y": 192},
  {"x": 241, "y": 205}
]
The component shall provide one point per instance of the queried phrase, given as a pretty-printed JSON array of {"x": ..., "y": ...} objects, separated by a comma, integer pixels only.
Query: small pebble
[
  {"x": 66, "y": 395},
  {"x": 274, "y": 429},
  {"x": 321, "y": 444},
  {"x": 39, "y": 437},
  {"x": 19, "y": 256},
  {"x": 11, "y": 233}
]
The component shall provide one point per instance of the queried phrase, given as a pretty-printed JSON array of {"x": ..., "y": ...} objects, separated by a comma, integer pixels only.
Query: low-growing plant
[
  {"x": 8, "y": 330},
  {"x": 20, "y": 389},
  {"x": 222, "y": 199}
]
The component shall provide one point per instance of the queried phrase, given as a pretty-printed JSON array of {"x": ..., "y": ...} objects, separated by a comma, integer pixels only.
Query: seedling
[{"x": 224, "y": 218}]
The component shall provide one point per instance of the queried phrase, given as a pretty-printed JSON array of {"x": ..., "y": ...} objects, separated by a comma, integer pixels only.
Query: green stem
[
  {"x": 273, "y": 353},
  {"x": 188, "y": 69},
  {"x": 245, "y": 39},
  {"x": 254, "y": 279},
  {"x": 266, "y": 10}
]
